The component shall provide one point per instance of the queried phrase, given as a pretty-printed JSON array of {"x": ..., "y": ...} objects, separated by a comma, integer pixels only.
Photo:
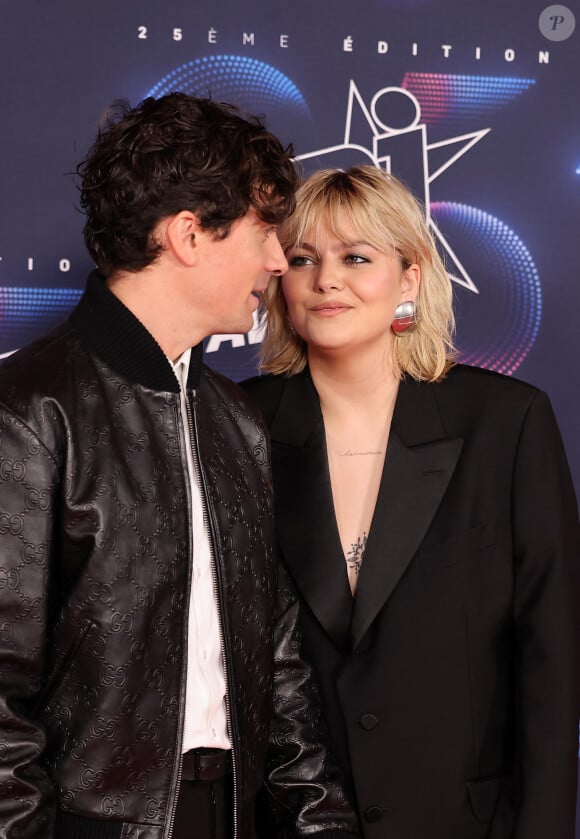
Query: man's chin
[{"x": 239, "y": 327}]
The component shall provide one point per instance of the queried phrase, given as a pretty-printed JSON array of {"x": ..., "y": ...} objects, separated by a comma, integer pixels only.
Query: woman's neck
[{"x": 353, "y": 383}]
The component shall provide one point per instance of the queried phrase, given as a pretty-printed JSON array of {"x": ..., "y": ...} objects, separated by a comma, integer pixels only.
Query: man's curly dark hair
[{"x": 178, "y": 153}]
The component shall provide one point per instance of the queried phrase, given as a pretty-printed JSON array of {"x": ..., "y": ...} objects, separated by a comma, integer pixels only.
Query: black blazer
[{"x": 450, "y": 682}]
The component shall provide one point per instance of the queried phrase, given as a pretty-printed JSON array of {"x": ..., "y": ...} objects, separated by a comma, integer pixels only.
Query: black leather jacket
[{"x": 95, "y": 563}]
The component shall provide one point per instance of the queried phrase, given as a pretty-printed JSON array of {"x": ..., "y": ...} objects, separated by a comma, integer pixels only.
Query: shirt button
[
  {"x": 369, "y": 721},
  {"x": 373, "y": 814}
]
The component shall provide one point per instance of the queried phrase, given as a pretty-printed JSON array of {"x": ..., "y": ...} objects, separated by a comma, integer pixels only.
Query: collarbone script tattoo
[{"x": 350, "y": 453}]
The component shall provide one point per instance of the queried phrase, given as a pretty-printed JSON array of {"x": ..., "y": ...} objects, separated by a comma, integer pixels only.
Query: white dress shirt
[{"x": 205, "y": 712}]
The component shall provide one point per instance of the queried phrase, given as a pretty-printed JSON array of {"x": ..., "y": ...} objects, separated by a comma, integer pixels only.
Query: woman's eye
[
  {"x": 355, "y": 259},
  {"x": 299, "y": 260}
]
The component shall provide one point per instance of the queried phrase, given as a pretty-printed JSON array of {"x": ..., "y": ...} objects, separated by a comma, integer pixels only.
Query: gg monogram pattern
[{"x": 94, "y": 566}]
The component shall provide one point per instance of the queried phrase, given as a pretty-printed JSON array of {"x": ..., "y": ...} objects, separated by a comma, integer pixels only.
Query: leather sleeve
[
  {"x": 547, "y": 561},
  {"x": 304, "y": 791},
  {"x": 28, "y": 482}
]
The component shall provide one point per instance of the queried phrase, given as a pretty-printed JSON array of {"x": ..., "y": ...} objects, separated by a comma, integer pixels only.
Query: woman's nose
[{"x": 328, "y": 278}]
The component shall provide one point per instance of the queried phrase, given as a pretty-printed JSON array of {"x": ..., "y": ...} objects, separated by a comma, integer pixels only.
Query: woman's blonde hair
[{"x": 386, "y": 215}]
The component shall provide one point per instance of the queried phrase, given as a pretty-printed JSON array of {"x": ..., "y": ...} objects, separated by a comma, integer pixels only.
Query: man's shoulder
[
  {"x": 37, "y": 370},
  {"x": 32, "y": 360}
]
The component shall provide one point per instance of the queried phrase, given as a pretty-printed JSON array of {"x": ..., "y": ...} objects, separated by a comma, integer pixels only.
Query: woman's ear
[
  {"x": 180, "y": 237},
  {"x": 410, "y": 282}
]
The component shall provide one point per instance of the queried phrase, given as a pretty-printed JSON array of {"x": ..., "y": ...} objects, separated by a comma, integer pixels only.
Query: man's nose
[{"x": 277, "y": 262}]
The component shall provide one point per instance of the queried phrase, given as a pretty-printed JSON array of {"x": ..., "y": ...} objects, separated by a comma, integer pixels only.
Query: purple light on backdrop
[
  {"x": 498, "y": 326},
  {"x": 27, "y": 312},
  {"x": 460, "y": 97},
  {"x": 246, "y": 81}
]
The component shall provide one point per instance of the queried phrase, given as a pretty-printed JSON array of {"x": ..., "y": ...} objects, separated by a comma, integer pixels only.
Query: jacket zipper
[
  {"x": 177, "y": 788},
  {"x": 181, "y": 720},
  {"x": 208, "y": 523}
]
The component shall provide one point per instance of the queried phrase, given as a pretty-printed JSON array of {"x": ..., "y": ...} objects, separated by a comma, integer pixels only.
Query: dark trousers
[{"x": 205, "y": 810}]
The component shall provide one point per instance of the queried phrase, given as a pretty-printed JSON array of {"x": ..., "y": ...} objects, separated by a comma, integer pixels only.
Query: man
[{"x": 149, "y": 649}]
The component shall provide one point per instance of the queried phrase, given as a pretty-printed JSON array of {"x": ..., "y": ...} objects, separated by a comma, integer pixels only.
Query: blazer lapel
[
  {"x": 305, "y": 518},
  {"x": 419, "y": 463}
]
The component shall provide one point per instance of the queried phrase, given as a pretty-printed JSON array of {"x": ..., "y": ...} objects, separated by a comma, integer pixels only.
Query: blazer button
[
  {"x": 369, "y": 721},
  {"x": 364, "y": 646},
  {"x": 373, "y": 814}
]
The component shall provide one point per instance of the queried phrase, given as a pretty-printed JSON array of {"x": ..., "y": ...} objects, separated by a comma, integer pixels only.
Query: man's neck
[{"x": 147, "y": 294}]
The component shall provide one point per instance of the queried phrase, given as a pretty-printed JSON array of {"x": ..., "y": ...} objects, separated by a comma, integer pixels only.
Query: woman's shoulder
[
  {"x": 265, "y": 391},
  {"x": 474, "y": 395},
  {"x": 263, "y": 385},
  {"x": 477, "y": 380}
]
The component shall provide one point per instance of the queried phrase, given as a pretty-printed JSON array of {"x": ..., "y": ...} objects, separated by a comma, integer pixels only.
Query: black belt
[{"x": 206, "y": 764}]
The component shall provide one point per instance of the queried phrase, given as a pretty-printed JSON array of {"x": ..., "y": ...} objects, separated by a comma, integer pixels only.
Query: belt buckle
[{"x": 206, "y": 765}]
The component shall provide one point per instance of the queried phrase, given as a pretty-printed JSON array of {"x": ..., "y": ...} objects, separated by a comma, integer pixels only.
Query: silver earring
[{"x": 405, "y": 317}]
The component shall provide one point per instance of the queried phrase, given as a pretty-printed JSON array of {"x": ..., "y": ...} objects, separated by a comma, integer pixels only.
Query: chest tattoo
[{"x": 356, "y": 552}]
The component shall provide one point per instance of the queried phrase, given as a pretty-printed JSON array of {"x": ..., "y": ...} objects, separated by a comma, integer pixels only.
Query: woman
[{"x": 426, "y": 513}]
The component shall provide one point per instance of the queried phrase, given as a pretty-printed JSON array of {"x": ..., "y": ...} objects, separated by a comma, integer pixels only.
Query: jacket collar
[
  {"x": 420, "y": 461},
  {"x": 416, "y": 418},
  {"x": 291, "y": 424},
  {"x": 112, "y": 332}
]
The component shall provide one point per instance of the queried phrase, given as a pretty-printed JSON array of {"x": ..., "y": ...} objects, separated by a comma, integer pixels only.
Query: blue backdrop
[{"x": 473, "y": 105}]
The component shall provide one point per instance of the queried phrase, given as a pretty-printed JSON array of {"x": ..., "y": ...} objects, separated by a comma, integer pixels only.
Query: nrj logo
[
  {"x": 496, "y": 329},
  {"x": 402, "y": 150},
  {"x": 400, "y": 147}
]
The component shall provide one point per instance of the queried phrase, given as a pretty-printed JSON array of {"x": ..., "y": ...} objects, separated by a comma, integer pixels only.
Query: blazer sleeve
[
  {"x": 28, "y": 482},
  {"x": 546, "y": 541}
]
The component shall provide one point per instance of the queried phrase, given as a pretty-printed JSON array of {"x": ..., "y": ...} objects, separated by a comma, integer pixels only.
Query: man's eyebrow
[{"x": 303, "y": 246}]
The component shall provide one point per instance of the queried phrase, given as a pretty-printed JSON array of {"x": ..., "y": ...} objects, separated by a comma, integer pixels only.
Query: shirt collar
[{"x": 181, "y": 368}]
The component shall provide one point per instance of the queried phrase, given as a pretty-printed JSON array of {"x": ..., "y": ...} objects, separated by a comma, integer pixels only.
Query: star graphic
[{"x": 385, "y": 143}]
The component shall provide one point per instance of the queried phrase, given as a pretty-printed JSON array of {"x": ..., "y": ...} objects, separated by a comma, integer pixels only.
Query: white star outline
[{"x": 381, "y": 131}]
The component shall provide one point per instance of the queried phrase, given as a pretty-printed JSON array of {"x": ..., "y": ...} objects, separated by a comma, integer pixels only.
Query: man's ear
[
  {"x": 410, "y": 282},
  {"x": 180, "y": 235}
]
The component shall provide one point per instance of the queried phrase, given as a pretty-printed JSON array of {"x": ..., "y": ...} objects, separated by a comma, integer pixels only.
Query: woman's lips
[{"x": 329, "y": 309}]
